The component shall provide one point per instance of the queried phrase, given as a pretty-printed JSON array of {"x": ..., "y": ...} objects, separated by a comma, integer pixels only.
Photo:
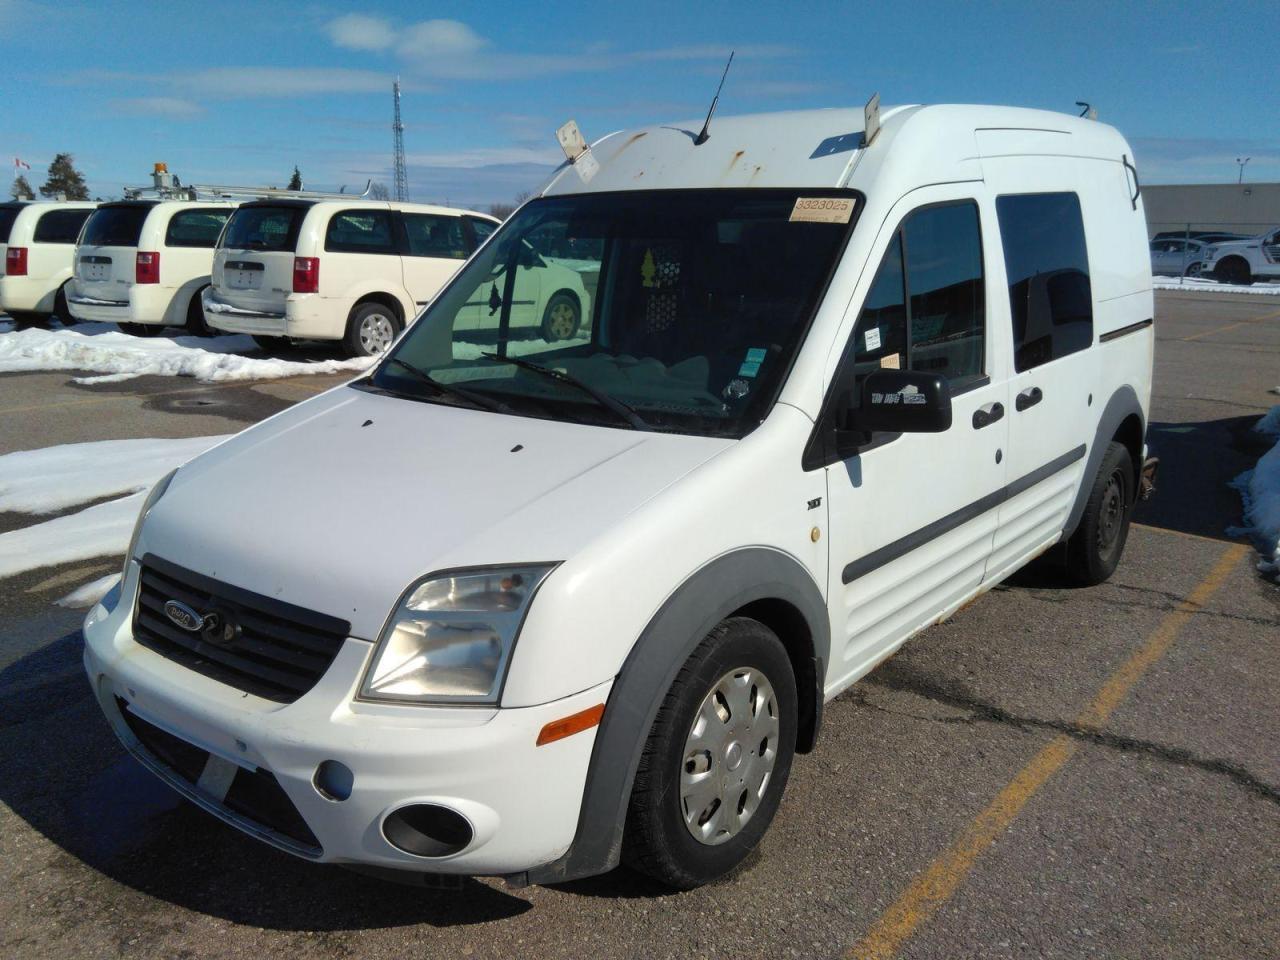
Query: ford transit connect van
[
  {"x": 830, "y": 391},
  {"x": 142, "y": 264},
  {"x": 351, "y": 270},
  {"x": 38, "y": 242}
]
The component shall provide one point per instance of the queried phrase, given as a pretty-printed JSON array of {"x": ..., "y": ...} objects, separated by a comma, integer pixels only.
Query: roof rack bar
[{"x": 217, "y": 190}]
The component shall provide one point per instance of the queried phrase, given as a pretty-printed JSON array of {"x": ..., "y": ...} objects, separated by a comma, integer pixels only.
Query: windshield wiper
[
  {"x": 612, "y": 404},
  {"x": 472, "y": 398}
]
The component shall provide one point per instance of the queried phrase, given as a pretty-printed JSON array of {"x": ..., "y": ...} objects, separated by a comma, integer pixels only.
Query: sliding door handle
[
  {"x": 1028, "y": 398},
  {"x": 985, "y": 416}
]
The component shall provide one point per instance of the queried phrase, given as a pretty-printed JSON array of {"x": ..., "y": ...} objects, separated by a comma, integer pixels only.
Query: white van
[
  {"x": 351, "y": 270},
  {"x": 142, "y": 264},
  {"x": 830, "y": 392},
  {"x": 37, "y": 240}
]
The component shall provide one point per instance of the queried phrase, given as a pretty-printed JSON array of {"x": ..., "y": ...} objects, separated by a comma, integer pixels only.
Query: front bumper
[{"x": 521, "y": 801}]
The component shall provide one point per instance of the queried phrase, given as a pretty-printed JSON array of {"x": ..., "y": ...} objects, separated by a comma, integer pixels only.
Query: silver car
[{"x": 1176, "y": 258}]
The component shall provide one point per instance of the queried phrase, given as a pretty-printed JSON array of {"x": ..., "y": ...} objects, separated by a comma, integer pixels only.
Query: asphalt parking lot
[{"x": 1052, "y": 772}]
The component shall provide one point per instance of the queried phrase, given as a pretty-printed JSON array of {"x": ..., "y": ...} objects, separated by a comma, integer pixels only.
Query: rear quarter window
[
  {"x": 60, "y": 226},
  {"x": 115, "y": 226},
  {"x": 195, "y": 228},
  {"x": 7, "y": 216},
  {"x": 1047, "y": 262},
  {"x": 360, "y": 231},
  {"x": 264, "y": 228}
]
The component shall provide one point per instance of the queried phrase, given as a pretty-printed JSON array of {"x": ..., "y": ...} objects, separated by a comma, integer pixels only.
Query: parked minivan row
[
  {"x": 831, "y": 384},
  {"x": 355, "y": 271},
  {"x": 37, "y": 242}
]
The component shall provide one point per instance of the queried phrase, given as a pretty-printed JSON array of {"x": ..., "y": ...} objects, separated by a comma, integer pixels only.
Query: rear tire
[
  {"x": 197, "y": 325},
  {"x": 22, "y": 321},
  {"x": 716, "y": 760},
  {"x": 1093, "y": 551},
  {"x": 1234, "y": 270},
  {"x": 141, "y": 329},
  {"x": 371, "y": 329}
]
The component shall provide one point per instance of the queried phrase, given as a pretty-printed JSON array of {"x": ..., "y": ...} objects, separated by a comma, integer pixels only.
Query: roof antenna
[
  {"x": 704, "y": 136},
  {"x": 1086, "y": 110}
]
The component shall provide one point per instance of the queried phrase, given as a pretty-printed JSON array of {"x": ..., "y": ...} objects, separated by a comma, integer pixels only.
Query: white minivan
[
  {"x": 37, "y": 243},
  {"x": 351, "y": 270},
  {"x": 142, "y": 264},
  {"x": 831, "y": 390}
]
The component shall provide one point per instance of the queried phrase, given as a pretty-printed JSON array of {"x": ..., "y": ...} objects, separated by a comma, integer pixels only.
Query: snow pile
[
  {"x": 40, "y": 481},
  {"x": 102, "y": 349},
  {"x": 1260, "y": 490},
  {"x": 1203, "y": 285},
  {"x": 82, "y": 598}
]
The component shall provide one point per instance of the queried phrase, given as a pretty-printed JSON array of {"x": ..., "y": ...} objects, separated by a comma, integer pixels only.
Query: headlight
[
  {"x": 451, "y": 637},
  {"x": 156, "y": 493}
]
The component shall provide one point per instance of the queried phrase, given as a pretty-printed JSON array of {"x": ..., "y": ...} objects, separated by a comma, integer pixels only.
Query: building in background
[{"x": 1242, "y": 208}]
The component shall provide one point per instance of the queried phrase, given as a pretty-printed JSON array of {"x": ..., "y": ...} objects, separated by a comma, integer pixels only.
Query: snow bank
[
  {"x": 1202, "y": 285},
  {"x": 84, "y": 597},
  {"x": 1260, "y": 490},
  {"x": 54, "y": 478},
  {"x": 40, "y": 481},
  {"x": 101, "y": 348}
]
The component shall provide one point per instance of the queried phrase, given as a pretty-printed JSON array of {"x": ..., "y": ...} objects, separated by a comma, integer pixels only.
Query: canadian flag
[{"x": 19, "y": 162}]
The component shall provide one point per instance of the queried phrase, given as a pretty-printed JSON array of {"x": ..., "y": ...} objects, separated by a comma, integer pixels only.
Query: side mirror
[{"x": 903, "y": 401}]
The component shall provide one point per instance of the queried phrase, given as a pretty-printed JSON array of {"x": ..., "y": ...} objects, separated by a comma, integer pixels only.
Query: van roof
[
  {"x": 824, "y": 148},
  {"x": 355, "y": 201}
]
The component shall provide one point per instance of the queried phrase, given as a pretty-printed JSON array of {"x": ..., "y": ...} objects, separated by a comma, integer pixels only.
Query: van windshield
[
  {"x": 263, "y": 228},
  {"x": 670, "y": 310},
  {"x": 116, "y": 226}
]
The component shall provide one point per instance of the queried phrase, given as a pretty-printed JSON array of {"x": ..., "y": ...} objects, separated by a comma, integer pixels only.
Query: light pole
[{"x": 1240, "y": 178}]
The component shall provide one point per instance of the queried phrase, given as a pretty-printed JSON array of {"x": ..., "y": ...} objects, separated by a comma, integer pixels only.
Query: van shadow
[
  {"x": 62, "y": 771},
  {"x": 1197, "y": 462}
]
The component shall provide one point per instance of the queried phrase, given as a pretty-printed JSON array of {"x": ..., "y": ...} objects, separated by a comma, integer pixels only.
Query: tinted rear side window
[
  {"x": 360, "y": 231},
  {"x": 431, "y": 235},
  {"x": 1047, "y": 262},
  {"x": 115, "y": 226},
  {"x": 195, "y": 228},
  {"x": 60, "y": 226},
  {"x": 7, "y": 216},
  {"x": 264, "y": 228}
]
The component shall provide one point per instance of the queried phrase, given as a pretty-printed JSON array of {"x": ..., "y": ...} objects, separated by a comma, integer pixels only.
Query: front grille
[
  {"x": 254, "y": 794},
  {"x": 278, "y": 651}
]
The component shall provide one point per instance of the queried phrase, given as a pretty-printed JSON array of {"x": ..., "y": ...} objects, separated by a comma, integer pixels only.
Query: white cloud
[
  {"x": 440, "y": 38},
  {"x": 225, "y": 82},
  {"x": 174, "y": 107},
  {"x": 357, "y": 31}
]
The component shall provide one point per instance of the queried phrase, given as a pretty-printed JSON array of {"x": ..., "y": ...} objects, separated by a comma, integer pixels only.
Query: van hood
[{"x": 341, "y": 502}]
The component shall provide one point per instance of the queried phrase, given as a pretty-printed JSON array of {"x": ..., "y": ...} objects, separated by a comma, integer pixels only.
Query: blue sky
[{"x": 225, "y": 93}]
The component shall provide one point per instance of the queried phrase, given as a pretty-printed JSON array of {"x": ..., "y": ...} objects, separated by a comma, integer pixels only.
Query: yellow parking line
[
  {"x": 1232, "y": 326},
  {"x": 1182, "y": 533},
  {"x": 932, "y": 888}
]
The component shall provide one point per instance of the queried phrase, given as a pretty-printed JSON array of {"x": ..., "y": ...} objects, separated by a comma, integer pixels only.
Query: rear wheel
[
  {"x": 717, "y": 759},
  {"x": 371, "y": 329},
  {"x": 1234, "y": 270},
  {"x": 561, "y": 318},
  {"x": 197, "y": 325},
  {"x": 23, "y": 320},
  {"x": 141, "y": 329},
  {"x": 1094, "y": 550}
]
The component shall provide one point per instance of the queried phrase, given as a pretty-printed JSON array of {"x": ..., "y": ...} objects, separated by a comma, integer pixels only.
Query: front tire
[
  {"x": 371, "y": 329},
  {"x": 60, "y": 308},
  {"x": 1094, "y": 550},
  {"x": 716, "y": 760},
  {"x": 197, "y": 325},
  {"x": 1234, "y": 270},
  {"x": 562, "y": 317}
]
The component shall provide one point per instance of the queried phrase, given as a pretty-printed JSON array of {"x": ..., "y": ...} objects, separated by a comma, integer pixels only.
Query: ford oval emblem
[{"x": 183, "y": 616}]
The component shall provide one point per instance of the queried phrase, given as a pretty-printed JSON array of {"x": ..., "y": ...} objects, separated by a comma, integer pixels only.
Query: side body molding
[
  {"x": 1123, "y": 404},
  {"x": 724, "y": 585}
]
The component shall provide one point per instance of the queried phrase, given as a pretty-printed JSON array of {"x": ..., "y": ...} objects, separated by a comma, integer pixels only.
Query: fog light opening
[
  {"x": 333, "y": 781},
  {"x": 427, "y": 830}
]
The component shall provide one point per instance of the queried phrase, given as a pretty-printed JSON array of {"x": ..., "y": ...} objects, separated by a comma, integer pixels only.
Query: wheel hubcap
[
  {"x": 1112, "y": 516},
  {"x": 376, "y": 333},
  {"x": 729, "y": 756},
  {"x": 562, "y": 320}
]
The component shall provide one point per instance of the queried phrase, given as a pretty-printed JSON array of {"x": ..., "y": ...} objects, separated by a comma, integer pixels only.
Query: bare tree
[
  {"x": 504, "y": 210},
  {"x": 378, "y": 191}
]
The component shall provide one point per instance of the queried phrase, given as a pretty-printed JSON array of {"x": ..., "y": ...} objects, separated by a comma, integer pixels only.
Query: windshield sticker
[
  {"x": 822, "y": 210},
  {"x": 873, "y": 338},
  {"x": 749, "y": 368},
  {"x": 757, "y": 355},
  {"x": 890, "y": 361}
]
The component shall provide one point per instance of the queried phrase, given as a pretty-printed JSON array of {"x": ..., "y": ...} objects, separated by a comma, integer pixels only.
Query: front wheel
[
  {"x": 197, "y": 325},
  {"x": 716, "y": 760},
  {"x": 1234, "y": 270},
  {"x": 60, "y": 309},
  {"x": 1094, "y": 550},
  {"x": 561, "y": 318},
  {"x": 371, "y": 329}
]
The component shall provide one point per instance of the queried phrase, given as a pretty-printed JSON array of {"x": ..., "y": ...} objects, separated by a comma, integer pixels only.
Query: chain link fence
[{"x": 1235, "y": 253}]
